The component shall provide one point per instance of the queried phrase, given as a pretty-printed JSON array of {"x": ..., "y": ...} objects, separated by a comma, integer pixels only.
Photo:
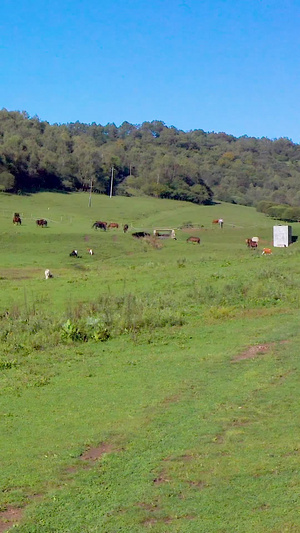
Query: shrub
[
  {"x": 264, "y": 205},
  {"x": 276, "y": 211}
]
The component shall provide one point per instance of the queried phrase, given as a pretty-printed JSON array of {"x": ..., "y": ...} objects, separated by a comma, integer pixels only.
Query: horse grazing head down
[
  {"x": 48, "y": 274},
  {"x": 125, "y": 228},
  {"x": 100, "y": 225},
  {"x": 194, "y": 239},
  {"x": 266, "y": 251},
  {"x": 113, "y": 225},
  {"x": 42, "y": 222},
  {"x": 251, "y": 244},
  {"x": 140, "y": 234}
]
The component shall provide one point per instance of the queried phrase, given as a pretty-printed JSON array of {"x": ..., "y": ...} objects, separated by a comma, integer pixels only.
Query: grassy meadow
[{"x": 154, "y": 385}]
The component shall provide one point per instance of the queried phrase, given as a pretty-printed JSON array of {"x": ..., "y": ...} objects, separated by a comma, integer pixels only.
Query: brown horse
[
  {"x": 100, "y": 225},
  {"x": 113, "y": 225},
  {"x": 125, "y": 228},
  {"x": 193, "y": 239},
  {"x": 42, "y": 222},
  {"x": 17, "y": 219},
  {"x": 251, "y": 244}
]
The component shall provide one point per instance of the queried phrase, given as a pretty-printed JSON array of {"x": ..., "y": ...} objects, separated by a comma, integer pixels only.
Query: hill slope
[{"x": 150, "y": 159}]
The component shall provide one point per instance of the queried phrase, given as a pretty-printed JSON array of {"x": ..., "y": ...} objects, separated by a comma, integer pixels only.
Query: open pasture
[{"x": 152, "y": 386}]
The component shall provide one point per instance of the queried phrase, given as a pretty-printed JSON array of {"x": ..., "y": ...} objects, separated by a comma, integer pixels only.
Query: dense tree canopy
[{"x": 150, "y": 158}]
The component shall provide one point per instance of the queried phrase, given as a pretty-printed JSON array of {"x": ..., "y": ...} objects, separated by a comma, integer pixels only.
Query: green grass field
[{"x": 150, "y": 387}]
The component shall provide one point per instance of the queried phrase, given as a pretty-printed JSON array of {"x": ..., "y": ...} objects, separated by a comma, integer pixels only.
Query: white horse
[{"x": 48, "y": 274}]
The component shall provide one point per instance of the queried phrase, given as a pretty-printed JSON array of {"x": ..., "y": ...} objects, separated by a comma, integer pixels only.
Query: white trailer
[
  {"x": 282, "y": 236},
  {"x": 164, "y": 233}
]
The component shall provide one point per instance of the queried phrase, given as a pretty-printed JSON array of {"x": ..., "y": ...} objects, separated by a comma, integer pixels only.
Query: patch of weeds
[
  {"x": 181, "y": 263},
  {"x": 6, "y": 365},
  {"x": 222, "y": 313},
  {"x": 96, "y": 330},
  {"x": 109, "y": 316},
  {"x": 41, "y": 381},
  {"x": 266, "y": 294},
  {"x": 153, "y": 242},
  {"x": 216, "y": 276},
  {"x": 71, "y": 331}
]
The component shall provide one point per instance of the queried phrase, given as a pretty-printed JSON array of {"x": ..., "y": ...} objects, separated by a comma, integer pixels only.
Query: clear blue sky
[{"x": 220, "y": 65}]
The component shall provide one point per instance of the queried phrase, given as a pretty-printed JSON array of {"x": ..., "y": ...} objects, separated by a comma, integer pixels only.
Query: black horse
[
  {"x": 140, "y": 234},
  {"x": 100, "y": 225},
  {"x": 125, "y": 228},
  {"x": 17, "y": 219}
]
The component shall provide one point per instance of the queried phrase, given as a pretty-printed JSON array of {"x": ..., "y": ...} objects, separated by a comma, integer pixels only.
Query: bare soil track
[
  {"x": 256, "y": 351},
  {"x": 10, "y": 517}
]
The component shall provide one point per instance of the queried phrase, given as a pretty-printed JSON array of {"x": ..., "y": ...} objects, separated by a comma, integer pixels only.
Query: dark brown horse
[
  {"x": 125, "y": 228},
  {"x": 251, "y": 244},
  {"x": 193, "y": 239},
  {"x": 100, "y": 225},
  {"x": 42, "y": 222},
  {"x": 140, "y": 234},
  {"x": 17, "y": 219}
]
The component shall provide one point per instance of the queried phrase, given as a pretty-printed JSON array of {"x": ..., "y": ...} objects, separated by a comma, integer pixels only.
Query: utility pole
[
  {"x": 90, "y": 196},
  {"x": 111, "y": 181}
]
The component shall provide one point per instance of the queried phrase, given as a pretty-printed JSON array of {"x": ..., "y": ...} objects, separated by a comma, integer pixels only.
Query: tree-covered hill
[{"x": 150, "y": 159}]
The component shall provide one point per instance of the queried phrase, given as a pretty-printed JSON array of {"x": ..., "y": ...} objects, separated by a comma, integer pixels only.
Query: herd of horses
[
  {"x": 39, "y": 222},
  {"x": 253, "y": 243},
  {"x": 99, "y": 224}
]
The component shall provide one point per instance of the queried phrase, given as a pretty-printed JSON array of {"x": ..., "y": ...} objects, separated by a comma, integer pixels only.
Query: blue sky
[{"x": 222, "y": 65}]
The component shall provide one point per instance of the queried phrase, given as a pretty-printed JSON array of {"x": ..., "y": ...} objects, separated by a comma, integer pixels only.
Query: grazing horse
[
  {"x": 17, "y": 219},
  {"x": 193, "y": 239},
  {"x": 140, "y": 234},
  {"x": 100, "y": 225},
  {"x": 113, "y": 225},
  {"x": 48, "y": 274},
  {"x": 42, "y": 222},
  {"x": 266, "y": 251},
  {"x": 125, "y": 228},
  {"x": 90, "y": 251},
  {"x": 219, "y": 221},
  {"x": 251, "y": 244},
  {"x": 74, "y": 253}
]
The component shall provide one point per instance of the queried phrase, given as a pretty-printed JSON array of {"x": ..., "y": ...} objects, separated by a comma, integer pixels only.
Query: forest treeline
[{"x": 148, "y": 159}]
